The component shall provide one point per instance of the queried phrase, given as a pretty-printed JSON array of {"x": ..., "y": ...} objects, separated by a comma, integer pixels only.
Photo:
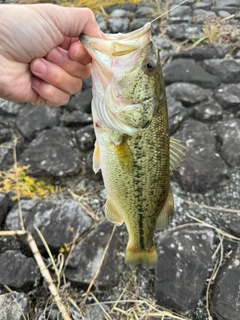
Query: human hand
[{"x": 41, "y": 58}]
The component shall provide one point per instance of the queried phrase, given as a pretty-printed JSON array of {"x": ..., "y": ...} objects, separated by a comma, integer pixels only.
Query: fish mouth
[{"x": 119, "y": 44}]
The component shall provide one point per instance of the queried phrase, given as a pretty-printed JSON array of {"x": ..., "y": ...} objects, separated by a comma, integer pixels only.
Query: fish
[{"x": 133, "y": 148}]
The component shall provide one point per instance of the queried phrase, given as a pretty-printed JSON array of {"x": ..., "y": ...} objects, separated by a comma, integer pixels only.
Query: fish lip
[{"x": 120, "y": 43}]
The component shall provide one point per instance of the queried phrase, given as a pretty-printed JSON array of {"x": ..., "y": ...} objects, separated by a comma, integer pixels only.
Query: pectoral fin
[
  {"x": 176, "y": 153},
  {"x": 96, "y": 158},
  {"x": 166, "y": 212},
  {"x": 112, "y": 214}
]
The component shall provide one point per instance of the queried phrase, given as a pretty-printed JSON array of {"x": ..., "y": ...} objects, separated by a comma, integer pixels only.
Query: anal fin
[
  {"x": 166, "y": 212},
  {"x": 112, "y": 214}
]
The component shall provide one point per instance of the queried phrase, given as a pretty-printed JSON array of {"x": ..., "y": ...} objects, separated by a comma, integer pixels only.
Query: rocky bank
[{"x": 203, "y": 93}]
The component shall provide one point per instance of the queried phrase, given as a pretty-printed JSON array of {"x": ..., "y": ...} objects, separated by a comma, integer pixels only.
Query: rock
[
  {"x": 32, "y": 119},
  {"x": 232, "y": 222},
  {"x": 208, "y": 111},
  {"x": 5, "y": 131},
  {"x": 182, "y": 13},
  {"x": 228, "y": 96},
  {"x": 10, "y": 108},
  {"x": 51, "y": 154},
  {"x": 175, "y": 2},
  {"x": 119, "y": 21},
  {"x": 92, "y": 312},
  {"x": 176, "y": 114},
  {"x": 202, "y": 5},
  {"x": 223, "y": 3},
  {"x": 55, "y": 220},
  {"x": 76, "y": 118},
  {"x": 86, "y": 138},
  {"x": 86, "y": 256},
  {"x": 182, "y": 70},
  {"x": 231, "y": 10},
  {"x": 217, "y": 51},
  {"x": 82, "y": 100},
  {"x": 6, "y": 155},
  {"x": 138, "y": 23},
  {"x": 162, "y": 43},
  {"x": 228, "y": 132},
  {"x": 4, "y": 202},
  {"x": 226, "y": 298},
  {"x": 88, "y": 167},
  {"x": 16, "y": 270},
  {"x": 227, "y": 70},
  {"x": 144, "y": 12},
  {"x": 201, "y": 16},
  {"x": 223, "y": 14},
  {"x": 182, "y": 267},
  {"x": 101, "y": 21},
  {"x": 14, "y": 306},
  {"x": 183, "y": 31},
  {"x": 188, "y": 94},
  {"x": 201, "y": 168}
]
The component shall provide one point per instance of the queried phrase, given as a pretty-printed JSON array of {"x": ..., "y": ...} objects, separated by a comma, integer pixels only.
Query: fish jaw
[{"x": 117, "y": 64}]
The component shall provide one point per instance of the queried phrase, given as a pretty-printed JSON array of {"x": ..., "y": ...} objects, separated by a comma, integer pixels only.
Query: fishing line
[{"x": 168, "y": 11}]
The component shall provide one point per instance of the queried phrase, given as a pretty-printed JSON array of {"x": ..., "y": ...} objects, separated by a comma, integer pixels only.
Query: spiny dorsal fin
[{"x": 176, "y": 153}]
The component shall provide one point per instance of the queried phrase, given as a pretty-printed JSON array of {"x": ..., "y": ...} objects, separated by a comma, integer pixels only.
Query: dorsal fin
[{"x": 176, "y": 153}]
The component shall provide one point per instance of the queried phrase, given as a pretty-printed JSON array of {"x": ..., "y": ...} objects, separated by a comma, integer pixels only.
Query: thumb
[{"x": 71, "y": 22}]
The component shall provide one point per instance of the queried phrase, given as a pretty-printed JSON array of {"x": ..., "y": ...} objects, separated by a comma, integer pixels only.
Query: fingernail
[
  {"x": 39, "y": 66},
  {"x": 35, "y": 82}
]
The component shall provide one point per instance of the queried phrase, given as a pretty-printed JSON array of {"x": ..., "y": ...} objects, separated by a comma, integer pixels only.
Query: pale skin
[{"x": 41, "y": 58}]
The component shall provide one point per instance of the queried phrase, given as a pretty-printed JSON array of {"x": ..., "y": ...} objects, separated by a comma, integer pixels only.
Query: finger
[
  {"x": 55, "y": 75},
  {"x": 48, "y": 94},
  {"x": 67, "y": 42},
  {"x": 61, "y": 58},
  {"x": 78, "y": 52}
]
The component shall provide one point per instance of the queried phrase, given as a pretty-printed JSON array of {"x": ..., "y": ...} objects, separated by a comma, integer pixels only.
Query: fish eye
[{"x": 149, "y": 66}]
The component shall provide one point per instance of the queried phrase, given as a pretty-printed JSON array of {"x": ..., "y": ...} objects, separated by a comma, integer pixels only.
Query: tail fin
[{"x": 148, "y": 257}]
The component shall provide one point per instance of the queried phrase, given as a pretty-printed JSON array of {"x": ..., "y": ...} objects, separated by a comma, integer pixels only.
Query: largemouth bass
[{"x": 133, "y": 148}]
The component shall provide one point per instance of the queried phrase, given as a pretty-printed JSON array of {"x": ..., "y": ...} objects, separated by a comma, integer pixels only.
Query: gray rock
[
  {"x": 14, "y": 306},
  {"x": 95, "y": 312},
  {"x": 10, "y": 108},
  {"x": 5, "y": 131},
  {"x": 119, "y": 21},
  {"x": 162, "y": 43},
  {"x": 4, "y": 202},
  {"x": 175, "y": 2},
  {"x": 223, "y": 14},
  {"x": 188, "y": 94},
  {"x": 51, "y": 154},
  {"x": 201, "y": 168},
  {"x": 101, "y": 21},
  {"x": 82, "y": 100},
  {"x": 208, "y": 111},
  {"x": 228, "y": 133},
  {"x": 183, "y": 31},
  {"x": 176, "y": 114},
  {"x": 231, "y": 10},
  {"x": 182, "y": 268},
  {"x": 16, "y": 270},
  {"x": 6, "y": 155},
  {"x": 224, "y": 3},
  {"x": 180, "y": 14},
  {"x": 226, "y": 299},
  {"x": 76, "y": 118},
  {"x": 86, "y": 138},
  {"x": 202, "y": 5},
  {"x": 144, "y": 12},
  {"x": 227, "y": 70},
  {"x": 228, "y": 96},
  {"x": 138, "y": 23},
  {"x": 85, "y": 258},
  {"x": 182, "y": 70},
  {"x": 232, "y": 222},
  {"x": 201, "y": 16},
  {"x": 204, "y": 52},
  {"x": 32, "y": 119},
  {"x": 53, "y": 218}
]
